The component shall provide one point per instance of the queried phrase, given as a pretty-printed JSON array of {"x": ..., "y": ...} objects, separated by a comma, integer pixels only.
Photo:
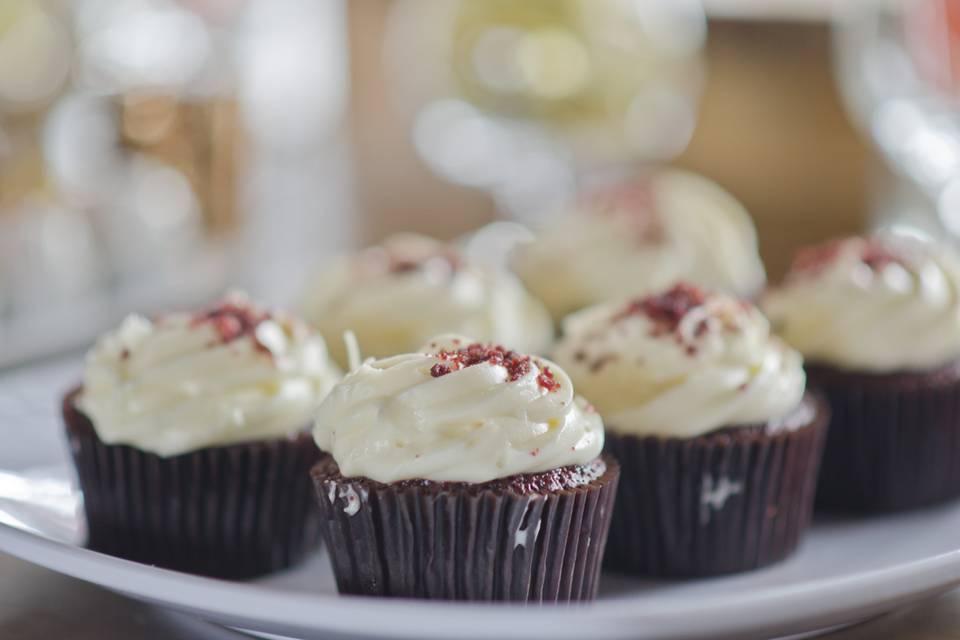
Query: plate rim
[{"x": 826, "y": 601}]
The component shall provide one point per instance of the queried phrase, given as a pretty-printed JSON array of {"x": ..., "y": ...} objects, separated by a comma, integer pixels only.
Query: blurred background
[{"x": 154, "y": 152}]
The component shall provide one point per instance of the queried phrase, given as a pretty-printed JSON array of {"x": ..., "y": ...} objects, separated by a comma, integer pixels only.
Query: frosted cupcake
[
  {"x": 394, "y": 297},
  {"x": 707, "y": 414},
  {"x": 463, "y": 471},
  {"x": 878, "y": 321},
  {"x": 190, "y": 434},
  {"x": 642, "y": 236}
]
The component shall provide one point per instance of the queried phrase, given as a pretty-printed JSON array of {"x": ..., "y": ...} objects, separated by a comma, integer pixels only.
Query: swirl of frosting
[
  {"x": 456, "y": 411},
  {"x": 880, "y": 303},
  {"x": 640, "y": 237},
  {"x": 681, "y": 364},
  {"x": 394, "y": 297},
  {"x": 185, "y": 381}
]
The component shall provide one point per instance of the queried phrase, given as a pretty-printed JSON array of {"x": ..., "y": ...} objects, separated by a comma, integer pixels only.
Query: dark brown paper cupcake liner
[
  {"x": 237, "y": 511},
  {"x": 725, "y": 502},
  {"x": 894, "y": 440},
  {"x": 528, "y": 538}
]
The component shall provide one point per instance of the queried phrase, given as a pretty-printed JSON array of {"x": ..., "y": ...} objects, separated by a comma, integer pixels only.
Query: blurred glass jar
[
  {"x": 113, "y": 166},
  {"x": 154, "y": 151},
  {"x": 161, "y": 168},
  {"x": 898, "y": 64},
  {"x": 523, "y": 97}
]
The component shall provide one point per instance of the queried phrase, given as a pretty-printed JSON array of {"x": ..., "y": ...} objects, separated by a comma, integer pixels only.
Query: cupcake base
[
  {"x": 527, "y": 538},
  {"x": 894, "y": 439},
  {"x": 724, "y": 502},
  {"x": 237, "y": 511}
]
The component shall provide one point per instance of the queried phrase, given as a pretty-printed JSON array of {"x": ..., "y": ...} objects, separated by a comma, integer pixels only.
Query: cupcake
[
  {"x": 191, "y": 439},
  {"x": 463, "y": 471},
  {"x": 707, "y": 414},
  {"x": 639, "y": 237},
  {"x": 394, "y": 297},
  {"x": 877, "y": 319}
]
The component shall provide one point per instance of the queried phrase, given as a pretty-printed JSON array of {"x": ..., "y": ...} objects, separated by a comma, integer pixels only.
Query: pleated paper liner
[
  {"x": 894, "y": 440},
  {"x": 724, "y": 502},
  {"x": 529, "y": 538},
  {"x": 237, "y": 511}
]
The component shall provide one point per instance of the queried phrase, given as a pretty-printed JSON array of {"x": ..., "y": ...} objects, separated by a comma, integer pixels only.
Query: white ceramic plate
[{"x": 845, "y": 572}]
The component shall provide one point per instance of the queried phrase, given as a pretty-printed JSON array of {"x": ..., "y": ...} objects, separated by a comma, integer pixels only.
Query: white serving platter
[{"x": 847, "y": 570}]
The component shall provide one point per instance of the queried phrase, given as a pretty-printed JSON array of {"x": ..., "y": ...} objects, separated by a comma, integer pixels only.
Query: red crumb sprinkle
[
  {"x": 547, "y": 381},
  {"x": 516, "y": 364},
  {"x": 633, "y": 200},
  {"x": 875, "y": 252},
  {"x": 125, "y": 354},
  {"x": 813, "y": 259},
  {"x": 535, "y": 452},
  {"x": 667, "y": 310},
  {"x": 233, "y": 321},
  {"x": 407, "y": 263}
]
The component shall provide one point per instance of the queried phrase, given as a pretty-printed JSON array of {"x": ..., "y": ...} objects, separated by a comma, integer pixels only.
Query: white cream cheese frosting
[
  {"x": 882, "y": 303},
  {"x": 642, "y": 236},
  {"x": 396, "y": 296},
  {"x": 680, "y": 364},
  {"x": 186, "y": 381},
  {"x": 457, "y": 411}
]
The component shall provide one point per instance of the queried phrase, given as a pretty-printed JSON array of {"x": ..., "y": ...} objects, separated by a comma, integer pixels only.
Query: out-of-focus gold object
[
  {"x": 157, "y": 97},
  {"x": 603, "y": 73},
  {"x": 35, "y": 54},
  {"x": 22, "y": 169},
  {"x": 200, "y": 139},
  {"x": 166, "y": 71}
]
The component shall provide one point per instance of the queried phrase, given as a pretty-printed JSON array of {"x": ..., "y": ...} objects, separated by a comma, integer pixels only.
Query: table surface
[{"x": 39, "y": 604}]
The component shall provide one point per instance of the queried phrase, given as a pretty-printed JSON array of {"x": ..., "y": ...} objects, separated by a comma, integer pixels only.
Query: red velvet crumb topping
[
  {"x": 438, "y": 370},
  {"x": 412, "y": 261},
  {"x": 516, "y": 364},
  {"x": 547, "y": 381},
  {"x": 667, "y": 310},
  {"x": 634, "y": 200},
  {"x": 232, "y": 322},
  {"x": 875, "y": 252},
  {"x": 813, "y": 259}
]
